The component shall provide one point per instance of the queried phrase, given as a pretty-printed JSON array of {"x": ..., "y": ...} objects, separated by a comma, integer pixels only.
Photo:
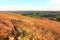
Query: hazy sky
[{"x": 29, "y": 4}]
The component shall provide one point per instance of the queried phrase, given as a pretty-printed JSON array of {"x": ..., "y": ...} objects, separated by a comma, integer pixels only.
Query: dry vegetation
[{"x": 18, "y": 27}]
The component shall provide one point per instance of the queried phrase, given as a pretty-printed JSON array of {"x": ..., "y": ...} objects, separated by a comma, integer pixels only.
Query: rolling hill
[{"x": 12, "y": 21}]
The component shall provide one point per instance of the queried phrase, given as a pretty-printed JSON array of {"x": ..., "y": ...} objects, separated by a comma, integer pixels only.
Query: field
[
  {"x": 47, "y": 14},
  {"x": 18, "y": 25}
]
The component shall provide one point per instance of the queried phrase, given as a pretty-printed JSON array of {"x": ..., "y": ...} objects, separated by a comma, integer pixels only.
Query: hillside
[
  {"x": 47, "y": 14},
  {"x": 32, "y": 25}
]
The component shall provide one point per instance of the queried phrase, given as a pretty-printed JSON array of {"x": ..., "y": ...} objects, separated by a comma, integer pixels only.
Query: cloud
[
  {"x": 54, "y": 1},
  {"x": 9, "y": 8}
]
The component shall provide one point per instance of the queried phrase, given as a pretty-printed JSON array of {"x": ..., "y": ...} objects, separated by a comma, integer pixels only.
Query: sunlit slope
[{"x": 44, "y": 23}]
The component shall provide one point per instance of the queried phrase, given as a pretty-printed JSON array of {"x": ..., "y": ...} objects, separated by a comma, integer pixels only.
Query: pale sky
[{"x": 11, "y": 5}]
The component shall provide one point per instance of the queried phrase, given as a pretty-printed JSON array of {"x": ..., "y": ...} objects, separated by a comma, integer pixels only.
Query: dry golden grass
[{"x": 34, "y": 28}]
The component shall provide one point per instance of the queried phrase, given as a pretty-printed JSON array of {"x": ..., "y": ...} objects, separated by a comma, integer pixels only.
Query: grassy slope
[{"x": 42, "y": 22}]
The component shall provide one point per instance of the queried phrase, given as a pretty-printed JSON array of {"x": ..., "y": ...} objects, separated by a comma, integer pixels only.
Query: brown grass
[{"x": 10, "y": 18}]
